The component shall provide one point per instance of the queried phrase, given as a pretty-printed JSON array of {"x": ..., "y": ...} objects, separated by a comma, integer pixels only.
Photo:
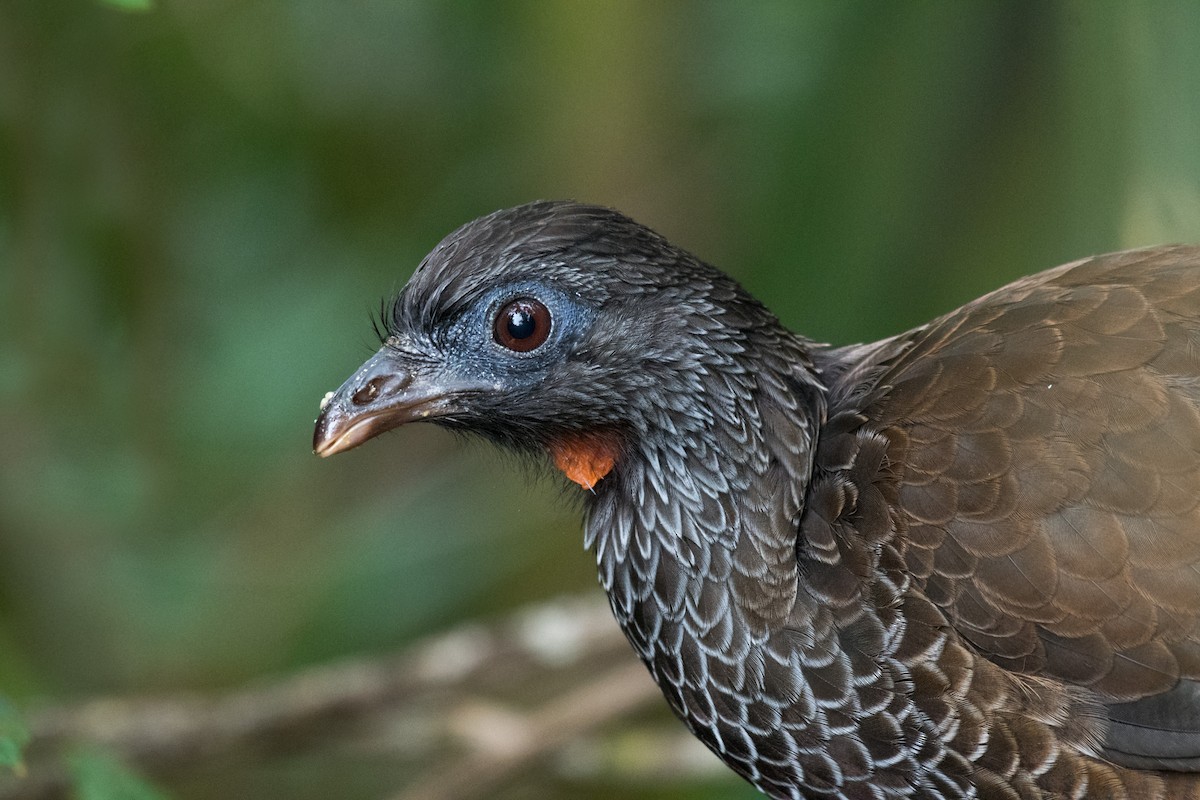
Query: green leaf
[
  {"x": 130, "y": 5},
  {"x": 100, "y": 776},
  {"x": 13, "y": 737}
]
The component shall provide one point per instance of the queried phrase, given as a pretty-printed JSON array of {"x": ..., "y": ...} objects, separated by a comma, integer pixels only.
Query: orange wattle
[{"x": 585, "y": 458}]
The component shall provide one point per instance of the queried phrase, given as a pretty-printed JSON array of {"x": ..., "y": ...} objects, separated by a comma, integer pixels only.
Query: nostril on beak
[
  {"x": 380, "y": 386},
  {"x": 367, "y": 393}
]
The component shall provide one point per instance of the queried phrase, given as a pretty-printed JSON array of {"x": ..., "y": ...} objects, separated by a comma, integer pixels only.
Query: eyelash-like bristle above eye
[{"x": 384, "y": 320}]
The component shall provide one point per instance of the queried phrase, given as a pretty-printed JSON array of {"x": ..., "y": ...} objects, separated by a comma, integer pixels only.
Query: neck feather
[{"x": 701, "y": 512}]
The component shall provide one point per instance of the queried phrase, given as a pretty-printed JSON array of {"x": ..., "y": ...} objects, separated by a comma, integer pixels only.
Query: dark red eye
[{"x": 523, "y": 325}]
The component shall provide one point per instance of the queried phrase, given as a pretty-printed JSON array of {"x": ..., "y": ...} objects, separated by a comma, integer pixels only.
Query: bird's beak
[{"x": 384, "y": 393}]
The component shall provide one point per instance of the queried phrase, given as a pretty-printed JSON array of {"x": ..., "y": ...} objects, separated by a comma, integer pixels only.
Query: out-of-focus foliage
[
  {"x": 200, "y": 204},
  {"x": 98, "y": 776},
  {"x": 13, "y": 737},
  {"x": 131, "y": 5}
]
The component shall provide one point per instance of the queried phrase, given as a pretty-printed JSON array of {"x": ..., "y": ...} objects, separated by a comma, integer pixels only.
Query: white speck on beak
[{"x": 325, "y": 400}]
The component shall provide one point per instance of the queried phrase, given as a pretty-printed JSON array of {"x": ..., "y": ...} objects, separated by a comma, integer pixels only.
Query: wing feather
[{"x": 1051, "y": 486}]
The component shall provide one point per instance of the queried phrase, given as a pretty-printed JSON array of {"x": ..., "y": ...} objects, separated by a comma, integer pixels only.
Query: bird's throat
[{"x": 586, "y": 458}]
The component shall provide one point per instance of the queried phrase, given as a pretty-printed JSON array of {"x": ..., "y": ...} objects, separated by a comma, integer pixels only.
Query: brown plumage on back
[{"x": 961, "y": 562}]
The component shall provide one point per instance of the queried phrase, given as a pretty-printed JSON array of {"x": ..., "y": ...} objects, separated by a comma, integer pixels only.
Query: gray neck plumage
[{"x": 695, "y": 535}]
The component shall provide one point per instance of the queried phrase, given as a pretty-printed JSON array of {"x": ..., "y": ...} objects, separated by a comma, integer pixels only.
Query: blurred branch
[
  {"x": 617, "y": 692},
  {"x": 468, "y": 709}
]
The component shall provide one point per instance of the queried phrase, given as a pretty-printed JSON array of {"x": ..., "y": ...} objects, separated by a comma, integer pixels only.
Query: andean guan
[{"x": 960, "y": 562}]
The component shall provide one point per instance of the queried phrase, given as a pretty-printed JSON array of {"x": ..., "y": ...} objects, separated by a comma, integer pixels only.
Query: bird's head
[{"x": 553, "y": 327}]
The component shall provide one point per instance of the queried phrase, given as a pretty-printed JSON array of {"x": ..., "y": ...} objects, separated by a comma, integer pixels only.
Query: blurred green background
[{"x": 200, "y": 205}]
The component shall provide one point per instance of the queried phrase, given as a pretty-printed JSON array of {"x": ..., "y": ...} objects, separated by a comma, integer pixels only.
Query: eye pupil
[{"x": 523, "y": 325}]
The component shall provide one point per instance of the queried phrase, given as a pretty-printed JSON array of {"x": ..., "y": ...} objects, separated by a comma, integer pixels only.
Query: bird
[{"x": 960, "y": 562}]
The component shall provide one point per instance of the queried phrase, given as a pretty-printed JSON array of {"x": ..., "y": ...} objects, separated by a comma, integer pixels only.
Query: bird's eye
[{"x": 522, "y": 325}]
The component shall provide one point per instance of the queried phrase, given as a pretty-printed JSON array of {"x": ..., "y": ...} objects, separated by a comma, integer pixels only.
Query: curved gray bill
[{"x": 383, "y": 394}]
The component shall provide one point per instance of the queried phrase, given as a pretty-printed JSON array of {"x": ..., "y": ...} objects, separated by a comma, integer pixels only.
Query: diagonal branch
[{"x": 489, "y": 700}]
